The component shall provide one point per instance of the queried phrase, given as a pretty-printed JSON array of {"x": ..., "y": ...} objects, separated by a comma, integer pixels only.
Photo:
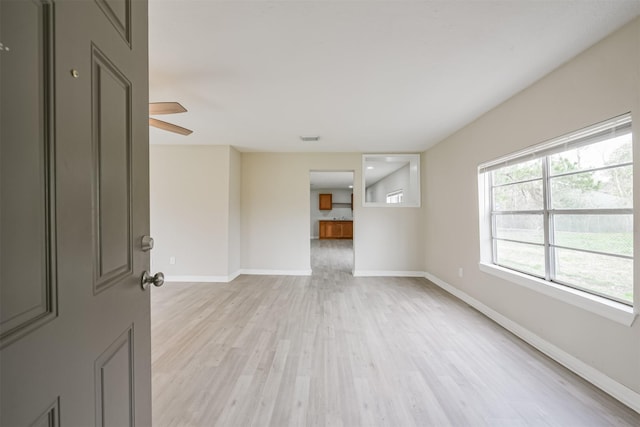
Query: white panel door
[{"x": 74, "y": 191}]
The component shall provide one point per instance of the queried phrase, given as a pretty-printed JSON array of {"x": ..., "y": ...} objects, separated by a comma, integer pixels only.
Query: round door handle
[{"x": 147, "y": 279}]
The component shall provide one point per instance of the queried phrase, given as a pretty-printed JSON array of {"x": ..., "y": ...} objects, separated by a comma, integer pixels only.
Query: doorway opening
[{"x": 331, "y": 221}]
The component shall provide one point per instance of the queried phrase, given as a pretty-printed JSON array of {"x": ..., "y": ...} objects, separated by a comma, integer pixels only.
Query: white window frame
[
  {"x": 395, "y": 197},
  {"x": 604, "y": 306}
]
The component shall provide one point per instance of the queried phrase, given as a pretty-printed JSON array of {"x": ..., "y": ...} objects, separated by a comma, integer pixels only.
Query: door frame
[{"x": 354, "y": 212}]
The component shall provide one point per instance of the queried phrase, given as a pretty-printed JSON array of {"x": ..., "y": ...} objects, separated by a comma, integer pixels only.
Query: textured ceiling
[{"x": 367, "y": 76}]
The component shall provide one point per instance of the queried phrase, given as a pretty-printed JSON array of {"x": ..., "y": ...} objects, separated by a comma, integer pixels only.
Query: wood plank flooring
[{"x": 334, "y": 350}]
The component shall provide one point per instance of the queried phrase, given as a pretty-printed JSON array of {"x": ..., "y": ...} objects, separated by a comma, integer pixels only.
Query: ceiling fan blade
[
  {"x": 166, "y": 108},
  {"x": 170, "y": 127}
]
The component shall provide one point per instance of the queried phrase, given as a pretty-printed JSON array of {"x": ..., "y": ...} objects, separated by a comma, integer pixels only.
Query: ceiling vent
[{"x": 310, "y": 138}]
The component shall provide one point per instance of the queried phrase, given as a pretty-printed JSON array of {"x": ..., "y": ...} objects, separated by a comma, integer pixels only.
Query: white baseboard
[
  {"x": 202, "y": 279},
  {"x": 589, "y": 373},
  {"x": 231, "y": 277},
  {"x": 198, "y": 279},
  {"x": 260, "y": 272},
  {"x": 387, "y": 273}
]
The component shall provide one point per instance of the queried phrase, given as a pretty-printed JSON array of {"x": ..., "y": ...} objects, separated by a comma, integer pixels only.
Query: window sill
[{"x": 611, "y": 310}]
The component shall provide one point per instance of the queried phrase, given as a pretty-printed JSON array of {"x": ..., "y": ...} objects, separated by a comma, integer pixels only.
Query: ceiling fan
[{"x": 167, "y": 108}]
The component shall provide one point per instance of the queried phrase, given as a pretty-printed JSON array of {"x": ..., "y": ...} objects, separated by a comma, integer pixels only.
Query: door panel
[
  {"x": 119, "y": 13},
  {"x": 49, "y": 418},
  {"x": 92, "y": 357},
  {"x": 115, "y": 382},
  {"x": 111, "y": 116},
  {"x": 27, "y": 241}
]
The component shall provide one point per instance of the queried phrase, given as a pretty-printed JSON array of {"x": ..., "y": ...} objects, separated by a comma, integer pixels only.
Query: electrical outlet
[
  {"x": 172, "y": 260},
  {"x": 460, "y": 272}
]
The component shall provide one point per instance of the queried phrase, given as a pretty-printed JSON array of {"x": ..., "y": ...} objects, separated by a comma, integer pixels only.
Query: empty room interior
[
  {"x": 486, "y": 278},
  {"x": 319, "y": 213},
  {"x": 396, "y": 213}
]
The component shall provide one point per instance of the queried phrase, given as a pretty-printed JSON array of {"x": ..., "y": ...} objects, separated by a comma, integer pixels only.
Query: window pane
[
  {"x": 603, "y": 274},
  {"x": 519, "y": 172},
  {"x": 609, "y": 188},
  {"x": 602, "y": 233},
  {"x": 521, "y": 256},
  {"x": 613, "y": 151},
  {"x": 518, "y": 197},
  {"x": 586, "y": 207},
  {"x": 526, "y": 228}
]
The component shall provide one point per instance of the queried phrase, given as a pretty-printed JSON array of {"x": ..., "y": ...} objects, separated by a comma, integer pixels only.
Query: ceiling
[
  {"x": 320, "y": 180},
  {"x": 366, "y": 76}
]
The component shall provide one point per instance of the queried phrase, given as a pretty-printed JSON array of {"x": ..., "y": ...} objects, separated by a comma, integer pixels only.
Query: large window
[{"x": 563, "y": 211}]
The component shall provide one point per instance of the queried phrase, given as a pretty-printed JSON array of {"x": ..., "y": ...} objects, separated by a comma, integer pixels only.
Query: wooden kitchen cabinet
[
  {"x": 325, "y": 203},
  {"x": 347, "y": 230},
  {"x": 335, "y": 229}
]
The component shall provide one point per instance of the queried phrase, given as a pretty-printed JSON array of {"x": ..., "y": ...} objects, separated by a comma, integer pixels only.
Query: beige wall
[
  {"x": 190, "y": 209},
  {"x": 221, "y": 212},
  {"x": 600, "y": 83},
  {"x": 276, "y": 211},
  {"x": 235, "y": 176}
]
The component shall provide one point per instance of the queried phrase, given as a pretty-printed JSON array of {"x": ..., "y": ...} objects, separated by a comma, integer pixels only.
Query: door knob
[{"x": 147, "y": 279}]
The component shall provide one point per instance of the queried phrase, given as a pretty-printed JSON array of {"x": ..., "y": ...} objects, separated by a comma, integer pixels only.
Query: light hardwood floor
[{"x": 334, "y": 350}]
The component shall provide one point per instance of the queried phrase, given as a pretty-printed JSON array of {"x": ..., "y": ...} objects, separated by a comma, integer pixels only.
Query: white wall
[
  {"x": 194, "y": 216},
  {"x": 340, "y": 195},
  {"x": 276, "y": 212},
  {"x": 397, "y": 180},
  {"x": 600, "y": 83}
]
